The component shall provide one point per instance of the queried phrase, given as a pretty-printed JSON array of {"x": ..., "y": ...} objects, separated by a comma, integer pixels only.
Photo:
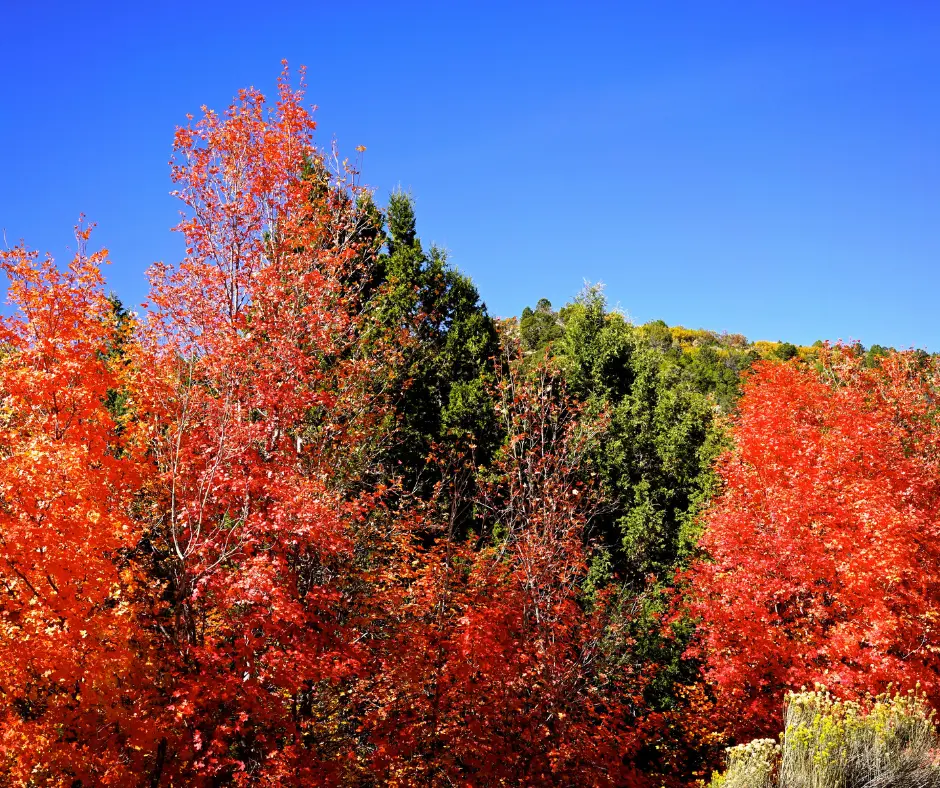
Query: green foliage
[
  {"x": 116, "y": 399},
  {"x": 539, "y": 327},
  {"x": 661, "y": 400},
  {"x": 659, "y": 391},
  {"x": 445, "y": 399},
  {"x": 402, "y": 226},
  {"x": 599, "y": 576},
  {"x": 875, "y": 354}
]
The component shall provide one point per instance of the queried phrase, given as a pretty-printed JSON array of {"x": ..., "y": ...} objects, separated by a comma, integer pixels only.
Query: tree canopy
[{"x": 313, "y": 516}]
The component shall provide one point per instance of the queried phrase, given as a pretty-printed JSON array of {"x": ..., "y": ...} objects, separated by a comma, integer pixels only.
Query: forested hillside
[{"x": 311, "y": 516}]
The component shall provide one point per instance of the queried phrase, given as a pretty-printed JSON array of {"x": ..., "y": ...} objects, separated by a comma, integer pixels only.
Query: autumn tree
[
  {"x": 500, "y": 670},
  {"x": 312, "y": 518},
  {"x": 261, "y": 408},
  {"x": 823, "y": 542},
  {"x": 78, "y": 683}
]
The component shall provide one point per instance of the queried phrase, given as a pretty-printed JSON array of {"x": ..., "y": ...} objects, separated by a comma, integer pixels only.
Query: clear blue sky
[{"x": 769, "y": 168}]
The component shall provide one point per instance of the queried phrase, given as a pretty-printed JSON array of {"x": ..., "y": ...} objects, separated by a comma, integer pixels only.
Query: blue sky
[{"x": 765, "y": 168}]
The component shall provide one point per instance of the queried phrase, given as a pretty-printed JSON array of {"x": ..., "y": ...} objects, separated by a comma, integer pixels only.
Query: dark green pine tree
[{"x": 445, "y": 406}]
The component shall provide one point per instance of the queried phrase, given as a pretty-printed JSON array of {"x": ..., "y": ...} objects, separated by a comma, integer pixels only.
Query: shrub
[
  {"x": 752, "y": 765},
  {"x": 889, "y": 741}
]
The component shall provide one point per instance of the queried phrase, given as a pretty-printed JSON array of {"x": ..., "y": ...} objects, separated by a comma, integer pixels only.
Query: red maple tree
[
  {"x": 258, "y": 407},
  {"x": 823, "y": 544},
  {"x": 498, "y": 670},
  {"x": 74, "y": 660}
]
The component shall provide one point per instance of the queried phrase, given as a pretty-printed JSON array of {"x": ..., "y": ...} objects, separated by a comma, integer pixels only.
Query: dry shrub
[{"x": 889, "y": 741}]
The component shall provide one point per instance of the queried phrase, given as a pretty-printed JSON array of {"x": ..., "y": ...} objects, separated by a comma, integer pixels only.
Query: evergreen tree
[
  {"x": 655, "y": 456},
  {"x": 445, "y": 406}
]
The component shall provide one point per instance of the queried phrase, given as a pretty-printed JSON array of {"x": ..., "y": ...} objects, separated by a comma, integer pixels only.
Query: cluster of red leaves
[
  {"x": 498, "y": 673},
  {"x": 75, "y": 670},
  {"x": 204, "y": 582},
  {"x": 824, "y": 543},
  {"x": 254, "y": 404}
]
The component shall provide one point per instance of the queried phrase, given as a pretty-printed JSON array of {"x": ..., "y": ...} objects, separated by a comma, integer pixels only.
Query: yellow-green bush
[
  {"x": 885, "y": 742},
  {"x": 752, "y": 765}
]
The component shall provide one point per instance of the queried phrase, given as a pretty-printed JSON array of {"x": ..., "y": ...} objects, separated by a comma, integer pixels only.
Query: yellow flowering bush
[{"x": 888, "y": 741}]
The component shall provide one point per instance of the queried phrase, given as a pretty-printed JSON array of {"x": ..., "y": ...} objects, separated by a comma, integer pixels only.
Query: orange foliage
[
  {"x": 824, "y": 541},
  {"x": 75, "y": 661},
  {"x": 497, "y": 672}
]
